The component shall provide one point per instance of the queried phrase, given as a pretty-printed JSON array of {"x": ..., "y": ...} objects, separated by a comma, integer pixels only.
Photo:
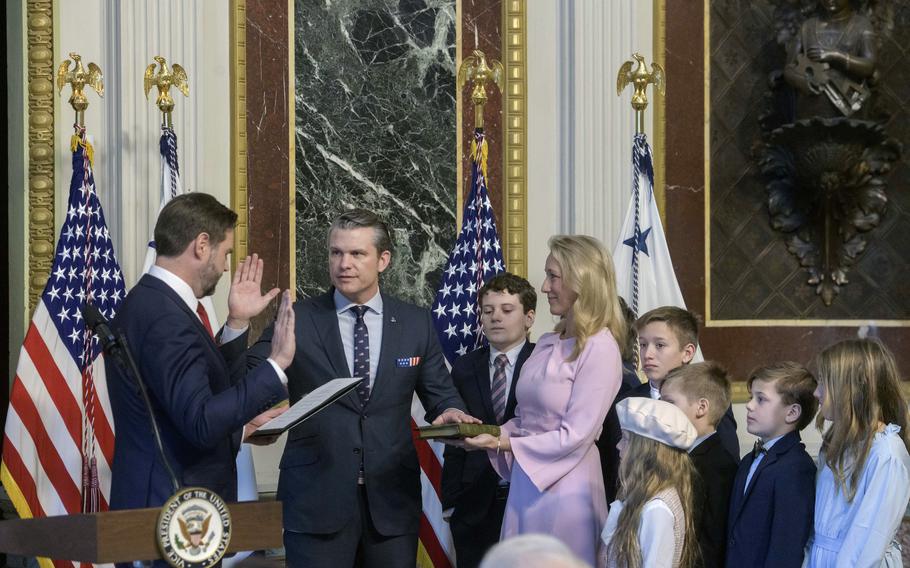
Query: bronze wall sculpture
[{"x": 809, "y": 213}]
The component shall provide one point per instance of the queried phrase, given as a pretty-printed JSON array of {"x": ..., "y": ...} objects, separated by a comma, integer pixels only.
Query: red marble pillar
[
  {"x": 269, "y": 160},
  {"x": 484, "y": 16}
]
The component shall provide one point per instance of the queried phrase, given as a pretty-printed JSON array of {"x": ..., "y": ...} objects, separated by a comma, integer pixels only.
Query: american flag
[
  {"x": 59, "y": 439},
  {"x": 476, "y": 256}
]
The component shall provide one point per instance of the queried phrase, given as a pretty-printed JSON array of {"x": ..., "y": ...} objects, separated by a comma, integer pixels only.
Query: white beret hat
[{"x": 657, "y": 420}]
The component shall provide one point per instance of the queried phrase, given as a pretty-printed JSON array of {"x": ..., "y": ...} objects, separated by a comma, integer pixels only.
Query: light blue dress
[{"x": 863, "y": 533}]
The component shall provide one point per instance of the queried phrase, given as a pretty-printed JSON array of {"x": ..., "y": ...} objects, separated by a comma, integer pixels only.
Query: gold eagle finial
[
  {"x": 640, "y": 78},
  {"x": 475, "y": 69},
  {"x": 79, "y": 78},
  {"x": 164, "y": 79}
]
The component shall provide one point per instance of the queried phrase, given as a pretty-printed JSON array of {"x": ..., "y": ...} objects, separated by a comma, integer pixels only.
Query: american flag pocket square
[{"x": 407, "y": 362}]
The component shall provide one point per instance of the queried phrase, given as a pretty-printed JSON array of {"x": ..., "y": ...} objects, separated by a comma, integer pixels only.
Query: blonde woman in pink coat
[{"x": 567, "y": 385}]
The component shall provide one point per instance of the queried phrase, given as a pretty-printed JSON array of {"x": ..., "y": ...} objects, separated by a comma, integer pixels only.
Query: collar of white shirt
[
  {"x": 177, "y": 284},
  {"x": 655, "y": 391},
  {"x": 343, "y": 304},
  {"x": 771, "y": 442},
  {"x": 511, "y": 354},
  {"x": 701, "y": 439}
]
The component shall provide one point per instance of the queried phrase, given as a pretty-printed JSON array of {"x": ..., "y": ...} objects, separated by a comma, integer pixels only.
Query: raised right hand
[{"x": 284, "y": 341}]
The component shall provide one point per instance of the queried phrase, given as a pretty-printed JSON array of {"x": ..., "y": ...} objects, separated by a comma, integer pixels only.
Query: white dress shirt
[
  {"x": 758, "y": 460},
  {"x": 512, "y": 356},
  {"x": 373, "y": 320}
]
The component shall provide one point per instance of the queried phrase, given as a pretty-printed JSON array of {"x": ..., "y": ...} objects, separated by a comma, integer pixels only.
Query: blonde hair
[
  {"x": 709, "y": 380},
  {"x": 648, "y": 468},
  {"x": 862, "y": 389},
  {"x": 587, "y": 269}
]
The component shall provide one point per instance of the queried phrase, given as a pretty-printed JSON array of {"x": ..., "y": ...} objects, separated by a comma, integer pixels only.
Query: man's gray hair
[{"x": 532, "y": 551}]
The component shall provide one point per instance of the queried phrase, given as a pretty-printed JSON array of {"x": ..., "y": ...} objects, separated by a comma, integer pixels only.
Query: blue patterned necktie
[
  {"x": 498, "y": 388},
  {"x": 362, "y": 354}
]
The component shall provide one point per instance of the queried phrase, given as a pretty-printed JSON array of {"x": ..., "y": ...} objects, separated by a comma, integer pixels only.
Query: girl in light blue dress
[{"x": 864, "y": 479}]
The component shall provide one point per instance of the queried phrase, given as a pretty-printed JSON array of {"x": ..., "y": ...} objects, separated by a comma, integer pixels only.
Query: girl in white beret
[{"x": 650, "y": 525}]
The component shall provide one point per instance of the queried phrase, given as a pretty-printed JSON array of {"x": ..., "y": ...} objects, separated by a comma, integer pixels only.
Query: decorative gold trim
[
  {"x": 515, "y": 136},
  {"x": 239, "y": 189},
  {"x": 658, "y": 142},
  {"x": 292, "y": 153},
  {"x": 709, "y": 320},
  {"x": 40, "y": 23}
]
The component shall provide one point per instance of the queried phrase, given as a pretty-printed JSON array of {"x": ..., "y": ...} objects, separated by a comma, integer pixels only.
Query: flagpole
[
  {"x": 165, "y": 78},
  {"x": 640, "y": 78},
  {"x": 475, "y": 70},
  {"x": 79, "y": 78}
]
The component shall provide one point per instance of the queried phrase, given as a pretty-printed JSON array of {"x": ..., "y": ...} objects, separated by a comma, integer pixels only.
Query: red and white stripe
[
  {"x": 42, "y": 457},
  {"x": 435, "y": 547}
]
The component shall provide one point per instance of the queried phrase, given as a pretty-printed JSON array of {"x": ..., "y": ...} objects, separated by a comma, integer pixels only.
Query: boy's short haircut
[
  {"x": 510, "y": 284},
  {"x": 683, "y": 323},
  {"x": 795, "y": 385},
  {"x": 708, "y": 380}
]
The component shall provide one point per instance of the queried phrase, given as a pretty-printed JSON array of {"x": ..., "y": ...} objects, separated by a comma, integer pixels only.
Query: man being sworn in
[{"x": 350, "y": 480}]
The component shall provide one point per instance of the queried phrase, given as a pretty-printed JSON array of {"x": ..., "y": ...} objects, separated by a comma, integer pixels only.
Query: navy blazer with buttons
[
  {"x": 319, "y": 468},
  {"x": 468, "y": 480},
  {"x": 200, "y": 405},
  {"x": 770, "y": 521}
]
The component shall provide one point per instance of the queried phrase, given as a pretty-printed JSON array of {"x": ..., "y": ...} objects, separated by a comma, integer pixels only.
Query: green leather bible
[{"x": 457, "y": 431}]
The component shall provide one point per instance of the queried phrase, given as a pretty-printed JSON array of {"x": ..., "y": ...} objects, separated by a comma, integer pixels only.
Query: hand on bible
[
  {"x": 453, "y": 415},
  {"x": 245, "y": 299},
  {"x": 284, "y": 341},
  {"x": 258, "y": 421}
]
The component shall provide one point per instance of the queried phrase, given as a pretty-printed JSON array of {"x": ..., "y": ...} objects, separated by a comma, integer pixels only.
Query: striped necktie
[{"x": 498, "y": 388}]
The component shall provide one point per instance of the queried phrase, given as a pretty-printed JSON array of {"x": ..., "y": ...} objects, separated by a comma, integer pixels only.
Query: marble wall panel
[{"x": 376, "y": 128}]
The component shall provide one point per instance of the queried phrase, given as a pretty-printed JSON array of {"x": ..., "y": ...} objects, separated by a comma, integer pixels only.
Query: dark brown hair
[
  {"x": 795, "y": 385},
  {"x": 510, "y": 284},
  {"x": 187, "y": 216}
]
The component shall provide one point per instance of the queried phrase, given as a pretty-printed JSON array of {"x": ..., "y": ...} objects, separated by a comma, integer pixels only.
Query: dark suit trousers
[
  {"x": 473, "y": 541},
  {"x": 358, "y": 544}
]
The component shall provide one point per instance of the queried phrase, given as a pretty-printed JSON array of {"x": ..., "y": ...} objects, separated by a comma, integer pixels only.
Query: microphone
[
  {"x": 96, "y": 322},
  {"x": 116, "y": 346}
]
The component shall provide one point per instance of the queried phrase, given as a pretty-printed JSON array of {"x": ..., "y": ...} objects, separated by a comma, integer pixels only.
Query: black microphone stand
[{"x": 116, "y": 346}]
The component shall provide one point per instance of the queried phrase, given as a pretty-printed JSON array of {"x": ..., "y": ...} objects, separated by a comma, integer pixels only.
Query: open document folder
[{"x": 310, "y": 404}]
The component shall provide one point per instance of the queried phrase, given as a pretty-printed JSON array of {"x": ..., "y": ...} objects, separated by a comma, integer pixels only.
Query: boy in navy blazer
[
  {"x": 773, "y": 500},
  {"x": 486, "y": 380}
]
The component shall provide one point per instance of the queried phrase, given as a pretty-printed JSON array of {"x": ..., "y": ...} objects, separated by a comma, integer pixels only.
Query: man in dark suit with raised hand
[
  {"x": 486, "y": 379},
  {"x": 350, "y": 479},
  {"x": 200, "y": 405}
]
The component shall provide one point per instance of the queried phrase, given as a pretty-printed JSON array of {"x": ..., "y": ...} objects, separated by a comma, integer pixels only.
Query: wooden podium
[{"x": 124, "y": 536}]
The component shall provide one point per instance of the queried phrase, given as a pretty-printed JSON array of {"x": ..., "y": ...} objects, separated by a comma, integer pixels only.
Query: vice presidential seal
[{"x": 194, "y": 529}]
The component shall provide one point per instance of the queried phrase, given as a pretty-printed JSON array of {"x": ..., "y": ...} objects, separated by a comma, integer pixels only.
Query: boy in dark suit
[
  {"x": 702, "y": 392},
  {"x": 486, "y": 380},
  {"x": 667, "y": 339},
  {"x": 773, "y": 499}
]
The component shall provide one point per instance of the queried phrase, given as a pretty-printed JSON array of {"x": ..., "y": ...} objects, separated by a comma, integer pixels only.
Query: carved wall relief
[{"x": 826, "y": 153}]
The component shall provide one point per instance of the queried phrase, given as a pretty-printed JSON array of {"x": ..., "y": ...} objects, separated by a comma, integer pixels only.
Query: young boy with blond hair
[
  {"x": 702, "y": 392},
  {"x": 668, "y": 339}
]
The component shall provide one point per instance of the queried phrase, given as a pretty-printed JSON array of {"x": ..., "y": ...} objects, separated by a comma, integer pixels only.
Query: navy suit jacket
[
  {"x": 713, "y": 483},
  {"x": 199, "y": 404},
  {"x": 318, "y": 479},
  {"x": 770, "y": 524},
  {"x": 468, "y": 480},
  {"x": 726, "y": 428}
]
